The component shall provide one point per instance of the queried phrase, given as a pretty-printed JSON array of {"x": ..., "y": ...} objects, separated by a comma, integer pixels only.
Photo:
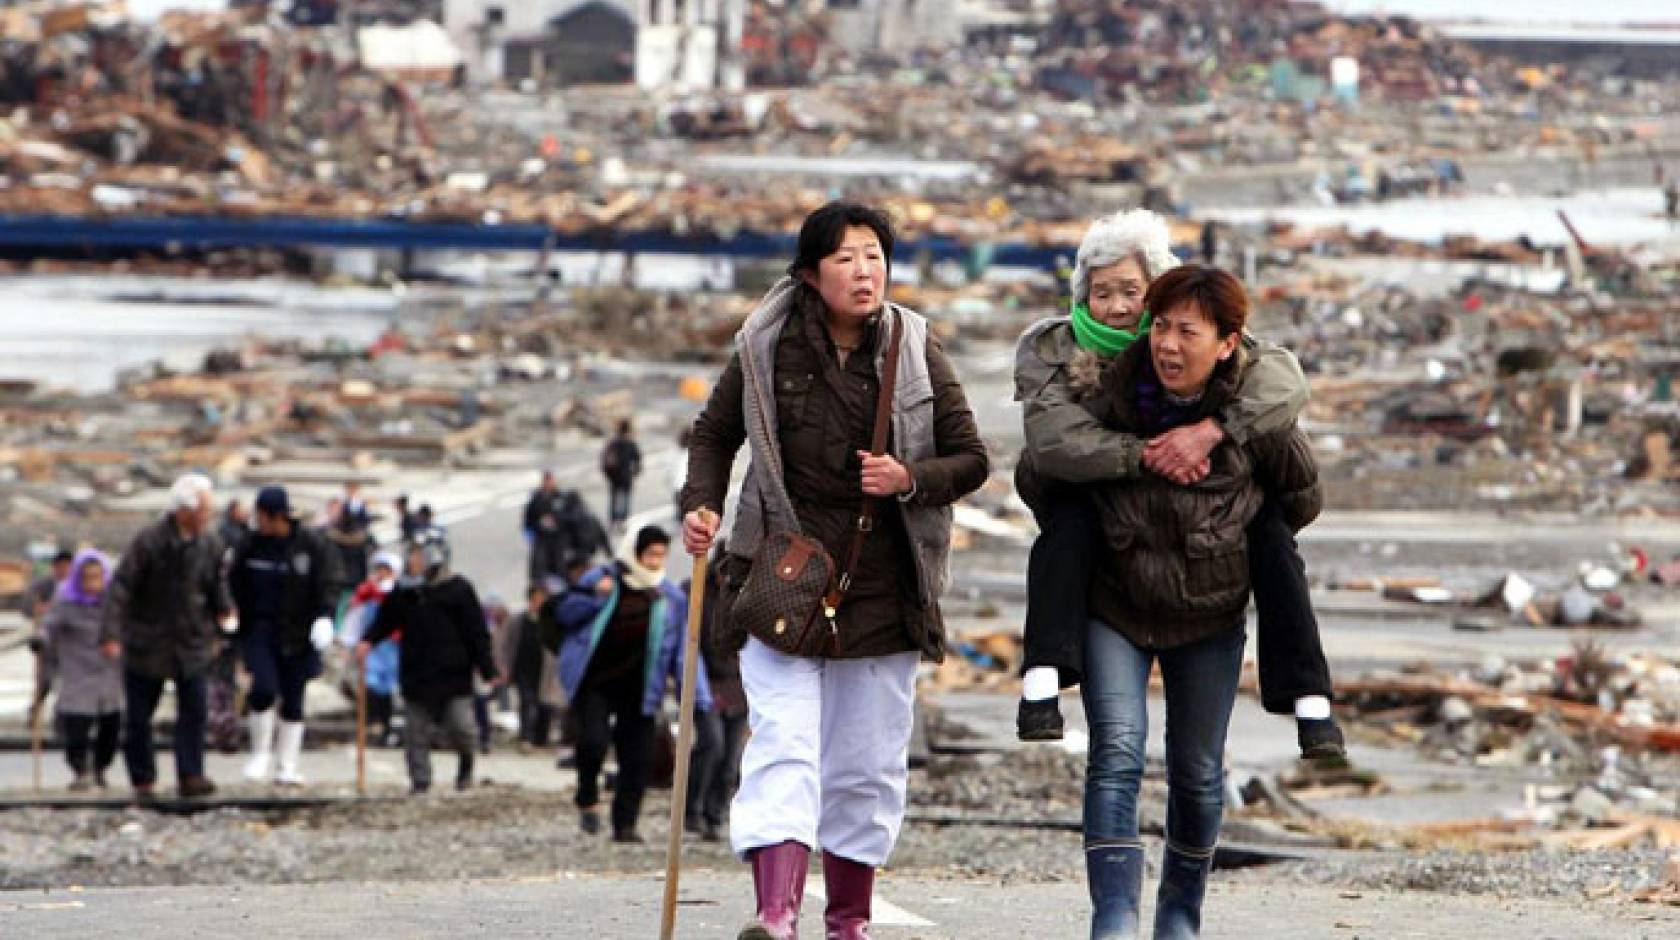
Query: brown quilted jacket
[{"x": 1175, "y": 567}]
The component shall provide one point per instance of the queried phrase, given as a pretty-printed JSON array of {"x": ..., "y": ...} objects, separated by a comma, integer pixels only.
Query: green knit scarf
[{"x": 1104, "y": 340}]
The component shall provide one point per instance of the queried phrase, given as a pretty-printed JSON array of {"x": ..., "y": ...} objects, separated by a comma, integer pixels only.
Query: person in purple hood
[{"x": 88, "y": 678}]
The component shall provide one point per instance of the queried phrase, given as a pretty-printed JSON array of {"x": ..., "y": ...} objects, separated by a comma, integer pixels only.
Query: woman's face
[
  {"x": 1185, "y": 345},
  {"x": 1117, "y": 290},
  {"x": 93, "y": 578},
  {"x": 853, "y": 278},
  {"x": 653, "y": 557},
  {"x": 415, "y": 564}
]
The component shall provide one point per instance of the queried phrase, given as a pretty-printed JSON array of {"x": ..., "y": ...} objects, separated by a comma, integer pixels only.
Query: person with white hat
[{"x": 161, "y": 612}]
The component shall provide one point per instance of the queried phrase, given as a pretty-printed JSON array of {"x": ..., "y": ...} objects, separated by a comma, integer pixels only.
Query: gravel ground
[
  {"x": 489, "y": 832},
  {"x": 511, "y": 832},
  {"x": 1536, "y": 874},
  {"x": 493, "y": 831}
]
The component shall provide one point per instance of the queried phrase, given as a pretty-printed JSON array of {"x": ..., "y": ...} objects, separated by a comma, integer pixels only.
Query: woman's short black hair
[
  {"x": 650, "y": 536},
  {"x": 825, "y": 228}
]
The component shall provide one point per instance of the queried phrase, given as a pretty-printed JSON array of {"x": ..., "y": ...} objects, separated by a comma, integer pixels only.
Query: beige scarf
[{"x": 636, "y": 576}]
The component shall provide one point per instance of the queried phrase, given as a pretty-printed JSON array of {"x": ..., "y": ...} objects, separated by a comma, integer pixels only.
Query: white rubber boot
[
  {"x": 289, "y": 749},
  {"x": 262, "y": 744}
]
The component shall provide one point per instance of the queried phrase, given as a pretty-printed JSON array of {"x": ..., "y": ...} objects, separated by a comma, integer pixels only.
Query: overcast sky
[
  {"x": 149, "y": 9},
  {"x": 1587, "y": 11},
  {"x": 1597, "y": 11}
]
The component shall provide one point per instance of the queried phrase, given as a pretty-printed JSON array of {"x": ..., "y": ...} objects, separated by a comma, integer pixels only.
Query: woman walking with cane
[
  {"x": 89, "y": 679},
  {"x": 857, "y": 455}
]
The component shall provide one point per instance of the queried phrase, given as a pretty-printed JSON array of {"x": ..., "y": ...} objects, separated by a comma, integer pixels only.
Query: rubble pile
[
  {"x": 1492, "y": 396},
  {"x": 235, "y": 115},
  {"x": 446, "y": 387},
  {"x": 1534, "y": 713},
  {"x": 1603, "y": 729}
]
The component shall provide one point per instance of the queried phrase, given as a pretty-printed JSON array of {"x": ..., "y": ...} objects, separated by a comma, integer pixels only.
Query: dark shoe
[
  {"x": 194, "y": 788},
  {"x": 713, "y": 833},
  {"x": 82, "y": 783},
  {"x": 779, "y": 883},
  {"x": 693, "y": 824},
  {"x": 590, "y": 822},
  {"x": 464, "y": 772},
  {"x": 1115, "y": 876},
  {"x": 99, "y": 779},
  {"x": 628, "y": 837},
  {"x": 419, "y": 789},
  {"x": 1039, "y": 721},
  {"x": 1178, "y": 903},
  {"x": 1320, "y": 739},
  {"x": 851, "y": 887}
]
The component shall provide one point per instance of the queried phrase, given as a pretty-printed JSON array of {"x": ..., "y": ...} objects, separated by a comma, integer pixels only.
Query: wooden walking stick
[
  {"x": 361, "y": 727},
  {"x": 35, "y": 742},
  {"x": 685, "y": 738}
]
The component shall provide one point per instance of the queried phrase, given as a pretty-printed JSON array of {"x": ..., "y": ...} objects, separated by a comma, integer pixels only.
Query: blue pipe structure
[{"x": 204, "y": 233}]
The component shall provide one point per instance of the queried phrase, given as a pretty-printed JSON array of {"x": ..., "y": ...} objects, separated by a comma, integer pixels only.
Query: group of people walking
[
  {"x": 274, "y": 590},
  {"x": 1163, "y": 462},
  {"x": 113, "y": 640}
]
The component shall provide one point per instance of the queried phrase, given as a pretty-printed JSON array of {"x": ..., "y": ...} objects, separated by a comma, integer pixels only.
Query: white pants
[{"x": 829, "y": 757}]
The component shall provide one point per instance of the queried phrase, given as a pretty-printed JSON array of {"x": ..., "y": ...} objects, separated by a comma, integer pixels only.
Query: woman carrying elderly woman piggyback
[
  {"x": 1171, "y": 588},
  {"x": 1068, "y": 452}
]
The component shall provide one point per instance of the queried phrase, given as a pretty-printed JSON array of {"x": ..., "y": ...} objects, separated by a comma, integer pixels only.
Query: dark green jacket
[
  {"x": 1064, "y": 442},
  {"x": 164, "y": 601}
]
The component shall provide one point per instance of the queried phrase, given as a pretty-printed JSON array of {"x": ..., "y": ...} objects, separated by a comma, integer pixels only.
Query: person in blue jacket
[{"x": 621, "y": 641}]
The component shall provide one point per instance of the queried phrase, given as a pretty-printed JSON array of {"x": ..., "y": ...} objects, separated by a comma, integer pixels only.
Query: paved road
[{"x": 714, "y": 904}]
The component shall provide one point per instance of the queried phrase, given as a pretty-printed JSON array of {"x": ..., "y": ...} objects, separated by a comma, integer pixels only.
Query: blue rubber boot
[
  {"x": 1115, "y": 875},
  {"x": 1178, "y": 903}
]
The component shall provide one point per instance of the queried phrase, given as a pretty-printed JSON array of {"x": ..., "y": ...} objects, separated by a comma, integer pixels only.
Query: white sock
[
  {"x": 1312, "y": 708},
  {"x": 1040, "y": 683}
]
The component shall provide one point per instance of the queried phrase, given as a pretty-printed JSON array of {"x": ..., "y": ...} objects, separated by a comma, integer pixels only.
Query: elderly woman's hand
[
  {"x": 884, "y": 475},
  {"x": 1181, "y": 455},
  {"x": 1192, "y": 476}
]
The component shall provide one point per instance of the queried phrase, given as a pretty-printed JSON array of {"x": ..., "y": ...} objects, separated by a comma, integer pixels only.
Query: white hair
[
  {"x": 188, "y": 490},
  {"x": 1112, "y": 239}
]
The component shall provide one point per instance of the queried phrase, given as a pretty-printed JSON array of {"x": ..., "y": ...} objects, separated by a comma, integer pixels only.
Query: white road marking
[{"x": 883, "y": 913}]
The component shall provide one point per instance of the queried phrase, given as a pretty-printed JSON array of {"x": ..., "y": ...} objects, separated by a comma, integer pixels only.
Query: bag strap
[
  {"x": 877, "y": 447},
  {"x": 776, "y": 485}
]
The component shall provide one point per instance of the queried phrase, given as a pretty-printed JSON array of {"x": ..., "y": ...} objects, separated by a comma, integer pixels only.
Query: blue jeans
[
  {"x": 191, "y": 710},
  {"x": 275, "y": 674},
  {"x": 1201, "y": 686},
  {"x": 618, "y": 503}
]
